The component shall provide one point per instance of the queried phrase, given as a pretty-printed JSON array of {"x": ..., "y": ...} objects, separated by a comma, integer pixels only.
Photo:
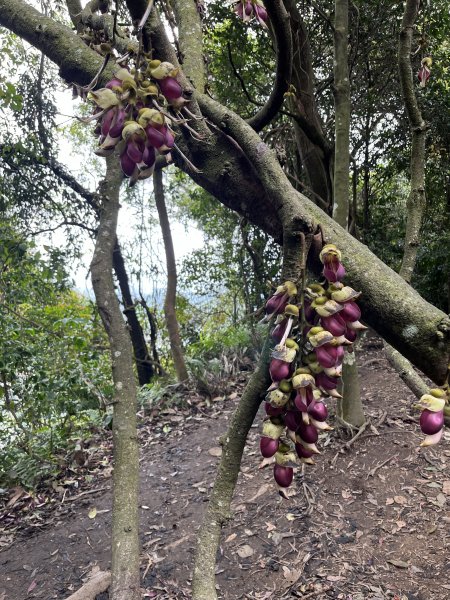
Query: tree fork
[{"x": 125, "y": 542}]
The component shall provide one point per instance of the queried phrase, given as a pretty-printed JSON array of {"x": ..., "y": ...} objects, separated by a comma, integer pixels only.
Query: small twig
[
  {"x": 361, "y": 430},
  {"x": 372, "y": 472},
  {"x": 86, "y": 493}
]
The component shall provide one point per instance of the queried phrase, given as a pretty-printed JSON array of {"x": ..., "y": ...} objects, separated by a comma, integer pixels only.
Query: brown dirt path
[{"x": 368, "y": 522}]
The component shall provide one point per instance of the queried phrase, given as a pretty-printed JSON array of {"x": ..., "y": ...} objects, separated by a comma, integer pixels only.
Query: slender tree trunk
[
  {"x": 144, "y": 368},
  {"x": 218, "y": 512},
  {"x": 415, "y": 206},
  {"x": 171, "y": 293},
  {"x": 153, "y": 336},
  {"x": 416, "y": 199},
  {"x": 125, "y": 541},
  {"x": 350, "y": 407}
]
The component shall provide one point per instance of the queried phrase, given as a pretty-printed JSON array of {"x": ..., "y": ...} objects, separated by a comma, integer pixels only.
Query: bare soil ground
[{"x": 367, "y": 521}]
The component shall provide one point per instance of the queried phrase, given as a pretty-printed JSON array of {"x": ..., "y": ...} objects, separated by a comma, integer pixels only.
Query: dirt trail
[{"x": 371, "y": 521}]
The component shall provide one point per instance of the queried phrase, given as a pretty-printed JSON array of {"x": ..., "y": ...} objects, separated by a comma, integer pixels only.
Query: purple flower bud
[
  {"x": 326, "y": 382},
  {"x": 127, "y": 164},
  {"x": 318, "y": 411},
  {"x": 268, "y": 446},
  {"x": 334, "y": 324},
  {"x": 149, "y": 156},
  {"x": 431, "y": 422},
  {"x": 279, "y": 369},
  {"x": 283, "y": 475},
  {"x": 155, "y": 137},
  {"x": 292, "y": 419},
  {"x": 279, "y": 330},
  {"x": 118, "y": 123},
  {"x": 113, "y": 83},
  {"x": 350, "y": 335},
  {"x": 334, "y": 271},
  {"x": 107, "y": 120},
  {"x": 276, "y": 304},
  {"x": 273, "y": 411},
  {"x": 261, "y": 14},
  {"x": 328, "y": 356},
  {"x": 351, "y": 312},
  {"x": 135, "y": 150},
  {"x": 170, "y": 88},
  {"x": 302, "y": 452},
  {"x": 308, "y": 433}
]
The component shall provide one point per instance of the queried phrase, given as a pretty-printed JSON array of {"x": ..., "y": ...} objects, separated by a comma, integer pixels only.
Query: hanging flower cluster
[
  {"x": 424, "y": 72},
  {"x": 131, "y": 116},
  {"x": 432, "y": 417},
  {"x": 306, "y": 363},
  {"x": 251, "y": 9}
]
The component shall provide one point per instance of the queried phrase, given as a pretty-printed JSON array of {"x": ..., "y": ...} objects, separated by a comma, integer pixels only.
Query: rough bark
[
  {"x": 417, "y": 329},
  {"x": 416, "y": 199},
  {"x": 144, "y": 367},
  {"x": 350, "y": 407},
  {"x": 125, "y": 541},
  {"x": 99, "y": 583},
  {"x": 190, "y": 40},
  {"x": 406, "y": 371},
  {"x": 170, "y": 313},
  {"x": 218, "y": 512}
]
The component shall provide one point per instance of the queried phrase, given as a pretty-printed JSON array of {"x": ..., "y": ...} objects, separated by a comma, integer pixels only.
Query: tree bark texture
[
  {"x": 218, "y": 512},
  {"x": 350, "y": 406},
  {"x": 237, "y": 171},
  {"x": 416, "y": 198},
  {"x": 171, "y": 292},
  {"x": 125, "y": 543},
  {"x": 144, "y": 367},
  {"x": 190, "y": 40}
]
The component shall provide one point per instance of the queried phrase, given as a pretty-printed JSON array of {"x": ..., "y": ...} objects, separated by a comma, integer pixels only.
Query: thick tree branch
[
  {"x": 279, "y": 20},
  {"x": 75, "y": 60},
  {"x": 190, "y": 39}
]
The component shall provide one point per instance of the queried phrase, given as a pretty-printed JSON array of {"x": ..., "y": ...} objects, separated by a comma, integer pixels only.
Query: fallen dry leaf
[
  {"x": 216, "y": 451},
  {"x": 401, "y": 564},
  {"x": 245, "y": 551},
  {"x": 446, "y": 487},
  {"x": 92, "y": 513},
  {"x": 400, "y": 500},
  {"x": 230, "y": 538},
  {"x": 291, "y": 575}
]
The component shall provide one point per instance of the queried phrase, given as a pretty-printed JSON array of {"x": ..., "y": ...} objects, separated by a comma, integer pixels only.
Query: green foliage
[{"x": 54, "y": 367}]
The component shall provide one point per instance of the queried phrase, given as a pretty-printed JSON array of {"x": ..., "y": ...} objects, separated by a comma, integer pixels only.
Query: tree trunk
[
  {"x": 416, "y": 199},
  {"x": 144, "y": 368},
  {"x": 218, "y": 512},
  {"x": 171, "y": 293},
  {"x": 125, "y": 541},
  {"x": 350, "y": 408}
]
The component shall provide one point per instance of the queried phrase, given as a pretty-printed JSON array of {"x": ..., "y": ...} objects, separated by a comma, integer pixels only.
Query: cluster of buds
[
  {"x": 131, "y": 118},
  {"x": 432, "y": 417},
  {"x": 424, "y": 72},
  {"x": 306, "y": 364},
  {"x": 251, "y": 9}
]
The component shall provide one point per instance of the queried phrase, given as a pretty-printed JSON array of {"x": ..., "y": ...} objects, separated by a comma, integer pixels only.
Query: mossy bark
[
  {"x": 125, "y": 541},
  {"x": 350, "y": 406},
  {"x": 170, "y": 313},
  {"x": 416, "y": 200},
  {"x": 218, "y": 511},
  {"x": 190, "y": 40}
]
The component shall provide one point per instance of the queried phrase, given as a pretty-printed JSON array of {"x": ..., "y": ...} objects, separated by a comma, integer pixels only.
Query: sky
[{"x": 186, "y": 238}]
